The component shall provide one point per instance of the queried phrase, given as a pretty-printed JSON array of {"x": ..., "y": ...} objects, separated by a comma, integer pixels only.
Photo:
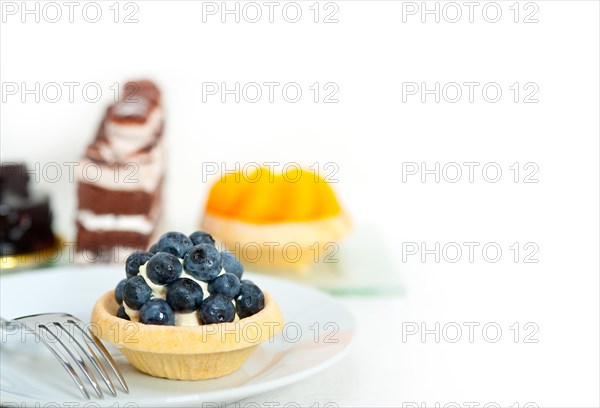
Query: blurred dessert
[
  {"x": 276, "y": 221},
  {"x": 120, "y": 185},
  {"x": 25, "y": 216}
]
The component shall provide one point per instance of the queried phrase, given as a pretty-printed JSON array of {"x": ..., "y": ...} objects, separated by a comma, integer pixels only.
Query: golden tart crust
[
  {"x": 186, "y": 353},
  {"x": 262, "y": 244}
]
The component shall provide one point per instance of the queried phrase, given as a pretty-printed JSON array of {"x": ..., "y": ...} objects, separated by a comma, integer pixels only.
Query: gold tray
[{"x": 30, "y": 260}]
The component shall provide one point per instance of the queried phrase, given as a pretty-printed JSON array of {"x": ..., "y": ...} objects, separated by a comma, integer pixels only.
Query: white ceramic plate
[{"x": 318, "y": 333}]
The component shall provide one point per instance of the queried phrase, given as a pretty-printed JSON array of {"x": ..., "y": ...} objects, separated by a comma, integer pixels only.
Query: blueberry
[
  {"x": 251, "y": 300},
  {"x": 136, "y": 292},
  {"x": 217, "y": 309},
  {"x": 134, "y": 261},
  {"x": 121, "y": 313},
  {"x": 157, "y": 311},
  {"x": 153, "y": 249},
  {"x": 174, "y": 243},
  {"x": 163, "y": 268},
  {"x": 231, "y": 264},
  {"x": 203, "y": 262},
  {"x": 119, "y": 291},
  {"x": 201, "y": 237},
  {"x": 227, "y": 284},
  {"x": 184, "y": 295}
]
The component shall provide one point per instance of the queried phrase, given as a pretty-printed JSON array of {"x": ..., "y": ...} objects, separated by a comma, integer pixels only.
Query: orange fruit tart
[{"x": 275, "y": 221}]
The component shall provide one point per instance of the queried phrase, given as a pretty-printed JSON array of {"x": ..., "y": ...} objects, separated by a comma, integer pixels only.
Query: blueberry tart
[{"x": 185, "y": 311}]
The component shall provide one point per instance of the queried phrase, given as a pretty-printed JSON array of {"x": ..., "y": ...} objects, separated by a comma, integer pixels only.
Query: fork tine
[
  {"x": 79, "y": 361},
  {"x": 65, "y": 363},
  {"x": 92, "y": 357},
  {"x": 105, "y": 354}
]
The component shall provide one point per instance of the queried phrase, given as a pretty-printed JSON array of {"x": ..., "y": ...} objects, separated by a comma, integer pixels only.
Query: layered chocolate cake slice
[{"x": 120, "y": 185}]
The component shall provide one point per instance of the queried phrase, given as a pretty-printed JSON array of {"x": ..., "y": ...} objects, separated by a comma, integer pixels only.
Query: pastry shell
[
  {"x": 182, "y": 352},
  {"x": 264, "y": 245}
]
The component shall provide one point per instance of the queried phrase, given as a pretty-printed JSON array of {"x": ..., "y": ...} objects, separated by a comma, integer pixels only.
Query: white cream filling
[
  {"x": 142, "y": 171},
  {"x": 133, "y": 314},
  {"x": 187, "y": 319},
  {"x": 112, "y": 222},
  {"x": 137, "y": 106},
  {"x": 128, "y": 138},
  {"x": 160, "y": 292}
]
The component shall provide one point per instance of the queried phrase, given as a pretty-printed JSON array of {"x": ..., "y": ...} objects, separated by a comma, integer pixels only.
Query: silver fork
[{"x": 72, "y": 347}]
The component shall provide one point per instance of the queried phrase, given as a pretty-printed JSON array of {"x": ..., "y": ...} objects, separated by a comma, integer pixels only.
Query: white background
[{"x": 369, "y": 133}]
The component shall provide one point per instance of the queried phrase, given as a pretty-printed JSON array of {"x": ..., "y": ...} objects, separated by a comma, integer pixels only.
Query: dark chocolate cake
[{"x": 25, "y": 217}]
